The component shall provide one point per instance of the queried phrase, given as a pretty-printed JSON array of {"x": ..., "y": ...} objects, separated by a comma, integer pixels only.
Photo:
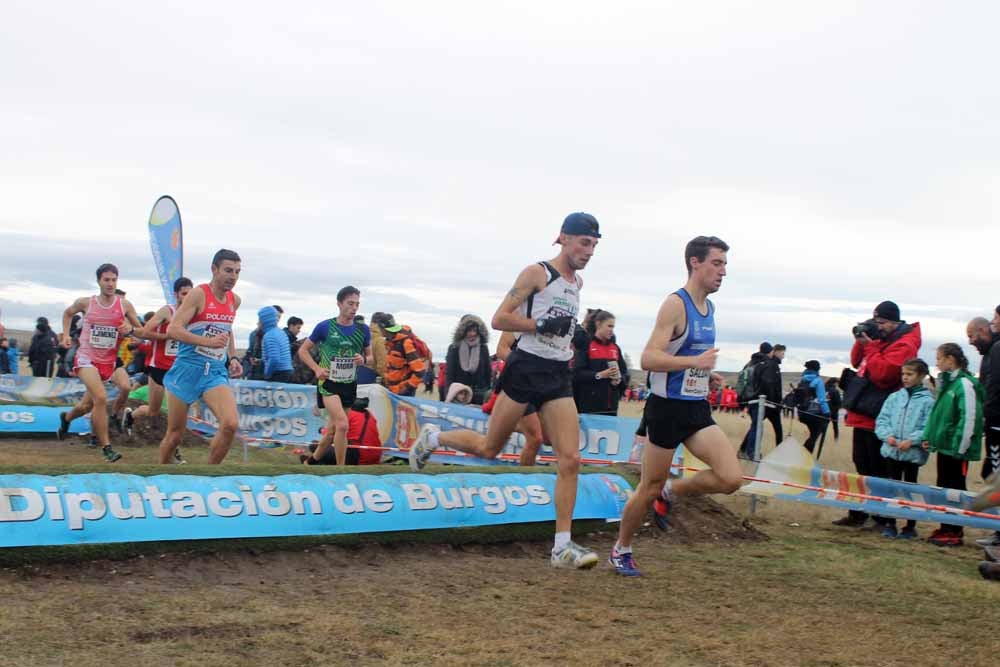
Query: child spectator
[
  {"x": 900, "y": 426},
  {"x": 954, "y": 429}
]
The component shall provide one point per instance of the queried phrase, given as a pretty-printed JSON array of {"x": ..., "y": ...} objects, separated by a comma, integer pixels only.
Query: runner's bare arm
[
  {"x": 78, "y": 306},
  {"x": 368, "y": 358},
  {"x": 178, "y": 324},
  {"x": 131, "y": 317},
  {"x": 670, "y": 322},
  {"x": 149, "y": 330},
  {"x": 530, "y": 281},
  {"x": 504, "y": 345},
  {"x": 306, "y": 358}
]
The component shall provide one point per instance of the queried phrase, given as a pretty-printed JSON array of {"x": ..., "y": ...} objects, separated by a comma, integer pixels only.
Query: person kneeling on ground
[{"x": 362, "y": 431}]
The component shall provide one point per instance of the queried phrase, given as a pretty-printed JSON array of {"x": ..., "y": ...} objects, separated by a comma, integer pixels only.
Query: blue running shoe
[
  {"x": 890, "y": 531},
  {"x": 624, "y": 564}
]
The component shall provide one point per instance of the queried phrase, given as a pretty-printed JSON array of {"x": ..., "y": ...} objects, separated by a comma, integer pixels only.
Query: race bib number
[
  {"x": 695, "y": 383},
  {"x": 103, "y": 337},
  {"x": 171, "y": 348},
  {"x": 212, "y": 352},
  {"x": 343, "y": 369}
]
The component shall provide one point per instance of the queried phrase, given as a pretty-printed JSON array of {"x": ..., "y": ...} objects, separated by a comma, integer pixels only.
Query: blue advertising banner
[
  {"x": 166, "y": 240},
  {"x": 602, "y": 438},
  {"x": 38, "y": 510},
  {"x": 34, "y": 419},
  {"x": 26, "y": 390}
]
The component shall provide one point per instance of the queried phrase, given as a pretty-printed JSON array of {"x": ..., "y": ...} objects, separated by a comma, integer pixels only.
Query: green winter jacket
[{"x": 955, "y": 426}]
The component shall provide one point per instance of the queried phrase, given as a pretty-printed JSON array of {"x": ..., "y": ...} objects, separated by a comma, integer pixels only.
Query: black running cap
[{"x": 581, "y": 224}]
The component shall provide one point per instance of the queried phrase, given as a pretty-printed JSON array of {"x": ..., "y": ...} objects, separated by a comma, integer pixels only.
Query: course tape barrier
[{"x": 789, "y": 468}]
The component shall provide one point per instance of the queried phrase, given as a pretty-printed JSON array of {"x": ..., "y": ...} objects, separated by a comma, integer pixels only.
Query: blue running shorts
[{"x": 189, "y": 382}]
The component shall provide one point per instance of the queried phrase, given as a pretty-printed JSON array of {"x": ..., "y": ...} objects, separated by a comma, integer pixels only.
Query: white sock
[
  {"x": 432, "y": 439},
  {"x": 562, "y": 539},
  {"x": 668, "y": 490},
  {"x": 619, "y": 549}
]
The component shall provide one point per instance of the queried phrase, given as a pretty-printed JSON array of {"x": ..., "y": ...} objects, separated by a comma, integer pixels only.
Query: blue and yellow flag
[{"x": 167, "y": 243}]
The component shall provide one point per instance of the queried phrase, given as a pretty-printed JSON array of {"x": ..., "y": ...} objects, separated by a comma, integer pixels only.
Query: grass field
[{"x": 812, "y": 594}]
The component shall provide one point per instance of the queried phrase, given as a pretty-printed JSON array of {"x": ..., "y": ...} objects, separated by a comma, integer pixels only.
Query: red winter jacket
[
  {"x": 356, "y": 421},
  {"x": 882, "y": 363}
]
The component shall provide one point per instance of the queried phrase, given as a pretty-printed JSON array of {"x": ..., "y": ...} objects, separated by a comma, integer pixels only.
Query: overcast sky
[{"x": 426, "y": 152}]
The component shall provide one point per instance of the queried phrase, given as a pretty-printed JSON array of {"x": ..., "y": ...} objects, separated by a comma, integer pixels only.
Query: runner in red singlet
[
  {"x": 161, "y": 357},
  {"x": 106, "y": 317}
]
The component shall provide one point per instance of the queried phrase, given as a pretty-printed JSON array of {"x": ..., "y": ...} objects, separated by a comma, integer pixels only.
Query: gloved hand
[{"x": 558, "y": 326}]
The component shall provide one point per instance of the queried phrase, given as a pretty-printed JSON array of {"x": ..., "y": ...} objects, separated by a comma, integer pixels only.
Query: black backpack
[{"x": 804, "y": 397}]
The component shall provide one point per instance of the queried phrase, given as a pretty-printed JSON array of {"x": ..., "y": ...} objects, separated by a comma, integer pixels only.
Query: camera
[{"x": 867, "y": 328}]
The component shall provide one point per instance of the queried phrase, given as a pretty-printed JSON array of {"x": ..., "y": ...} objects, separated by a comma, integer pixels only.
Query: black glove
[{"x": 558, "y": 326}]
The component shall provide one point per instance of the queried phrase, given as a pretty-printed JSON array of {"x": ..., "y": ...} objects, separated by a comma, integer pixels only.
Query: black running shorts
[
  {"x": 348, "y": 391},
  {"x": 530, "y": 379},
  {"x": 156, "y": 374},
  {"x": 670, "y": 421}
]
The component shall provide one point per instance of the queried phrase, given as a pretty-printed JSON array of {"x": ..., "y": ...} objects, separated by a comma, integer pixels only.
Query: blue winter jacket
[
  {"x": 904, "y": 416},
  {"x": 12, "y": 356},
  {"x": 275, "y": 350}
]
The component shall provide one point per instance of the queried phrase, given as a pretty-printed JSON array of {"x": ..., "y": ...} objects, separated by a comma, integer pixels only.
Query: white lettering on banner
[
  {"x": 21, "y": 504},
  {"x": 12, "y": 417},
  {"x": 494, "y": 500},
  {"x": 31, "y": 500},
  {"x": 264, "y": 425}
]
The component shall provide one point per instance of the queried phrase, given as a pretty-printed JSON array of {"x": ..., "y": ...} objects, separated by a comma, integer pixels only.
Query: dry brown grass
[{"x": 812, "y": 595}]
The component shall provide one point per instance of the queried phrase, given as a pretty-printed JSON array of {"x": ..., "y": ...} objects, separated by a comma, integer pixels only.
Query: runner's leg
[
  {"x": 177, "y": 414},
  {"x": 506, "y": 414},
  {"x": 531, "y": 428},
  {"x": 220, "y": 401},
  {"x": 120, "y": 379},
  {"x": 562, "y": 425},
  {"x": 91, "y": 379},
  {"x": 655, "y": 468},
  {"x": 85, "y": 405},
  {"x": 153, "y": 407},
  {"x": 724, "y": 474},
  {"x": 336, "y": 430}
]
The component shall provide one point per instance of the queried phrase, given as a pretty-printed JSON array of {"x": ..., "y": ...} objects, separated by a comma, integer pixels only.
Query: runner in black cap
[{"x": 542, "y": 307}]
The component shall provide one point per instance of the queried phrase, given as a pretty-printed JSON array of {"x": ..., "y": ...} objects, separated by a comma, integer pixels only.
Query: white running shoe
[
  {"x": 422, "y": 449},
  {"x": 574, "y": 557}
]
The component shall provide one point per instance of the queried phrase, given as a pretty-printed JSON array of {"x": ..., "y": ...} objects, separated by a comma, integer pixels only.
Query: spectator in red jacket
[
  {"x": 881, "y": 346},
  {"x": 362, "y": 429}
]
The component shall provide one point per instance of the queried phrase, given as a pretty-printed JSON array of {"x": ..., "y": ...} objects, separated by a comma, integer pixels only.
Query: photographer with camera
[{"x": 881, "y": 346}]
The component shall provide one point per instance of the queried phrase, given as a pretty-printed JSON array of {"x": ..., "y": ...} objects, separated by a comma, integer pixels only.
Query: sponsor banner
[
  {"x": 35, "y": 419},
  {"x": 26, "y": 390},
  {"x": 37, "y": 510},
  {"x": 268, "y": 411},
  {"x": 167, "y": 243},
  {"x": 601, "y": 437},
  {"x": 791, "y": 463},
  {"x": 288, "y": 412}
]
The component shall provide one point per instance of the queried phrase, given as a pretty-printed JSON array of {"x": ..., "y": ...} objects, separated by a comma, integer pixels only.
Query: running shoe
[
  {"x": 907, "y": 534},
  {"x": 178, "y": 459},
  {"x": 574, "y": 557},
  {"x": 128, "y": 421},
  {"x": 989, "y": 496},
  {"x": 890, "y": 531},
  {"x": 63, "y": 426},
  {"x": 991, "y": 541},
  {"x": 92, "y": 443},
  {"x": 624, "y": 564},
  {"x": 661, "y": 507},
  {"x": 945, "y": 539},
  {"x": 421, "y": 450},
  {"x": 110, "y": 455}
]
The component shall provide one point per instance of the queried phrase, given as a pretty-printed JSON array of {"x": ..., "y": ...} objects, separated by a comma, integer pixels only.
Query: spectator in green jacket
[{"x": 954, "y": 429}]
